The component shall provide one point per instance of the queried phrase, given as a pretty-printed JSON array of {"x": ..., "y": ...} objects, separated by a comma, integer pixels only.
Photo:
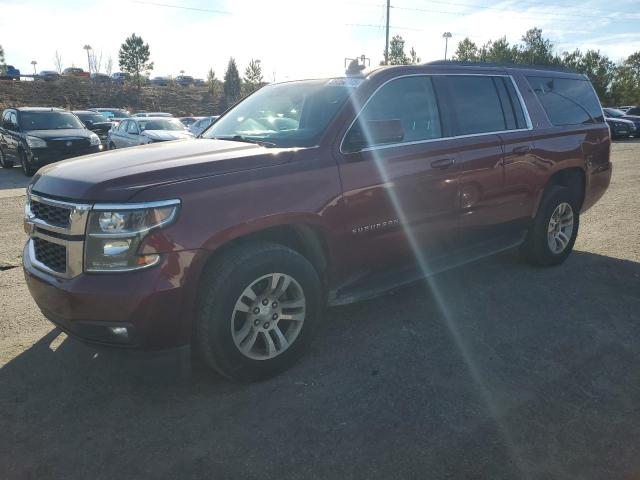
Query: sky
[{"x": 296, "y": 38}]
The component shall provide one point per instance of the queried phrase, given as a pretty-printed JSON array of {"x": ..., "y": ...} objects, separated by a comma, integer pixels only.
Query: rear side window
[{"x": 567, "y": 101}]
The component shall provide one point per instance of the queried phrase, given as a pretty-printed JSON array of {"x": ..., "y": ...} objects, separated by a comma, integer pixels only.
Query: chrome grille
[
  {"x": 50, "y": 254},
  {"x": 51, "y": 214}
]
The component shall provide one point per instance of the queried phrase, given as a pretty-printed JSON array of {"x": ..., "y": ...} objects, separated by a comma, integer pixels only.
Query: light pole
[
  {"x": 88, "y": 48},
  {"x": 446, "y": 36},
  {"x": 34, "y": 63}
]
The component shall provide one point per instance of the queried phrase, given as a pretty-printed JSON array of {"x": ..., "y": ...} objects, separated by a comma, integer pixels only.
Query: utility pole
[
  {"x": 386, "y": 45},
  {"x": 446, "y": 36},
  {"x": 34, "y": 63}
]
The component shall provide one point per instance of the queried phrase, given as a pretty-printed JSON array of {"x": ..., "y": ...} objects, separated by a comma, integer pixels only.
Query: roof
[
  {"x": 40, "y": 109},
  {"x": 86, "y": 112},
  {"x": 519, "y": 66}
]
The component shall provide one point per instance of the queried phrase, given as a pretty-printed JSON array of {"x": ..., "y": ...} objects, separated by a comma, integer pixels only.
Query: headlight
[
  {"x": 115, "y": 232},
  {"x": 35, "y": 142},
  {"x": 94, "y": 139}
]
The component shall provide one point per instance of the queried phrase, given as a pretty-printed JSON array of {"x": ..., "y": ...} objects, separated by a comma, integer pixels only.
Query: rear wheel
[
  {"x": 4, "y": 162},
  {"x": 259, "y": 307},
  {"x": 554, "y": 230},
  {"x": 27, "y": 168}
]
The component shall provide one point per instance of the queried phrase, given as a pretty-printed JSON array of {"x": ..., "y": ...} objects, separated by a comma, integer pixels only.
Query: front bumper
[
  {"x": 153, "y": 305},
  {"x": 39, "y": 157}
]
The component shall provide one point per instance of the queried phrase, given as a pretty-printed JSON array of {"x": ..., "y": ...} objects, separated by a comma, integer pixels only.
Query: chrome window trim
[{"x": 430, "y": 140}]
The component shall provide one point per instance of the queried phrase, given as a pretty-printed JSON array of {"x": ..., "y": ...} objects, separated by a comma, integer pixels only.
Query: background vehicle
[
  {"x": 625, "y": 108},
  {"x": 142, "y": 130},
  {"x": 120, "y": 76},
  {"x": 633, "y": 111},
  {"x": 315, "y": 192},
  {"x": 114, "y": 115},
  {"x": 75, "y": 72},
  {"x": 11, "y": 73},
  {"x": 184, "y": 80},
  {"x": 199, "y": 82},
  {"x": 160, "y": 81},
  {"x": 48, "y": 76},
  {"x": 617, "y": 119},
  {"x": 95, "y": 122},
  {"x": 201, "y": 125},
  {"x": 100, "y": 77},
  {"x": 34, "y": 137},
  {"x": 152, "y": 114},
  {"x": 188, "y": 121}
]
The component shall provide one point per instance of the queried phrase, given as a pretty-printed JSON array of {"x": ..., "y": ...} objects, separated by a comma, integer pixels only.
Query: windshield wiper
[{"x": 240, "y": 138}]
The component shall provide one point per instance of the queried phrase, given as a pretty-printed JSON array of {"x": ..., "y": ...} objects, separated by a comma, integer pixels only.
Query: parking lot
[{"x": 494, "y": 370}]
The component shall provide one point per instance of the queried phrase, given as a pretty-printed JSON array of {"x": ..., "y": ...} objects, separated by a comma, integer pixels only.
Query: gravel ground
[{"x": 494, "y": 370}]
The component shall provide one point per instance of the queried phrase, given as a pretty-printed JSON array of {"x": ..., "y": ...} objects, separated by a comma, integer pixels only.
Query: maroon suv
[{"x": 312, "y": 193}]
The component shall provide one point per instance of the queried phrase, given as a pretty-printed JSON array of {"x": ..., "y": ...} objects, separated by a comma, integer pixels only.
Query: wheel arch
[{"x": 573, "y": 177}]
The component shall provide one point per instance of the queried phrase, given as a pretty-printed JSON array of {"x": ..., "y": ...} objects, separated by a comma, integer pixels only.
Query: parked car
[
  {"x": 34, "y": 137},
  {"x": 201, "y": 125},
  {"x": 75, "y": 72},
  {"x": 621, "y": 124},
  {"x": 9, "y": 72},
  {"x": 184, "y": 80},
  {"x": 310, "y": 193},
  {"x": 199, "y": 82},
  {"x": 97, "y": 123},
  {"x": 142, "y": 130},
  {"x": 160, "y": 81},
  {"x": 632, "y": 111},
  {"x": 625, "y": 108},
  {"x": 153, "y": 114},
  {"x": 100, "y": 77},
  {"x": 120, "y": 76},
  {"x": 188, "y": 121},
  {"x": 48, "y": 76},
  {"x": 114, "y": 115}
]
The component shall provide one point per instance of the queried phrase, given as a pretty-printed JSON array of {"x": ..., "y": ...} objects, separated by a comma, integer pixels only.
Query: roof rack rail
[{"x": 556, "y": 68}]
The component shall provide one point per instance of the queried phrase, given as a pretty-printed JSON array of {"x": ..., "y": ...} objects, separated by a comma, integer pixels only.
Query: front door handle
[{"x": 443, "y": 163}]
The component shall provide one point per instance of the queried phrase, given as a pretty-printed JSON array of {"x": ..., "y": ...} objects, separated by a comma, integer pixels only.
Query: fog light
[
  {"x": 115, "y": 247},
  {"x": 121, "y": 332}
]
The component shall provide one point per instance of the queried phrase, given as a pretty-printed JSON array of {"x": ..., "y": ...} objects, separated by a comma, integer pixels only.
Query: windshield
[
  {"x": 286, "y": 115},
  {"x": 114, "y": 113},
  {"x": 92, "y": 117},
  {"x": 161, "y": 124},
  {"x": 614, "y": 112},
  {"x": 49, "y": 121}
]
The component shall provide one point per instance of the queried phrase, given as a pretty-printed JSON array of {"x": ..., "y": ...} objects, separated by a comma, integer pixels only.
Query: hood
[
  {"x": 59, "y": 133},
  {"x": 162, "y": 135},
  {"x": 633, "y": 118},
  {"x": 620, "y": 120},
  {"x": 117, "y": 175}
]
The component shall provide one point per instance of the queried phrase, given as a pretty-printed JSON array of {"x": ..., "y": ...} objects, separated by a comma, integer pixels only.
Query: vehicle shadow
[
  {"x": 493, "y": 370},
  {"x": 13, "y": 178}
]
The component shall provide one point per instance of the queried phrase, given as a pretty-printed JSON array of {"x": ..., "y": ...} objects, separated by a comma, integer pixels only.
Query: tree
[
  {"x": 252, "y": 76},
  {"x": 3, "y": 67},
  {"x": 396, "y": 51},
  {"x": 415, "y": 59},
  {"x": 232, "y": 84},
  {"x": 536, "y": 50},
  {"x": 134, "y": 57},
  {"x": 500, "y": 51},
  {"x": 88, "y": 49},
  {"x": 108, "y": 69},
  {"x": 467, "y": 51},
  {"x": 625, "y": 87},
  {"x": 57, "y": 61}
]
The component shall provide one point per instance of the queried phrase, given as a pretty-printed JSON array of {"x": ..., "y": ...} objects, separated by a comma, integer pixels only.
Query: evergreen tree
[
  {"x": 232, "y": 84},
  {"x": 134, "y": 57},
  {"x": 467, "y": 51}
]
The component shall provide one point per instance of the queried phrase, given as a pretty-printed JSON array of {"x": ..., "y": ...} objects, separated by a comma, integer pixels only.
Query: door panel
[{"x": 397, "y": 203}]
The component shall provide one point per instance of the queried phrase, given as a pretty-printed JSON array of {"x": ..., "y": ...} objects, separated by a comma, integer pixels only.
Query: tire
[
  {"x": 4, "y": 162},
  {"x": 27, "y": 169},
  {"x": 537, "y": 248},
  {"x": 112, "y": 146},
  {"x": 221, "y": 303}
]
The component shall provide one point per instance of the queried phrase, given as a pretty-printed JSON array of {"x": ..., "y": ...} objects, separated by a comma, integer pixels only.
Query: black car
[
  {"x": 34, "y": 137},
  {"x": 96, "y": 122},
  {"x": 617, "y": 120},
  {"x": 632, "y": 110},
  {"x": 48, "y": 76}
]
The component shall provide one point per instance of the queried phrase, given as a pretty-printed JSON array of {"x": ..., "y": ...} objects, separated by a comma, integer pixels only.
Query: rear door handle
[
  {"x": 521, "y": 150},
  {"x": 443, "y": 163}
]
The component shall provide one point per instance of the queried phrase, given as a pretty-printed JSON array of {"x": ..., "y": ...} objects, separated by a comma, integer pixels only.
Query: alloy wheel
[
  {"x": 268, "y": 316},
  {"x": 560, "y": 228}
]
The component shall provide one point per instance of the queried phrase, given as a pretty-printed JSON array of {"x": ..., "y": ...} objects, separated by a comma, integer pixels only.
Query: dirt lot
[{"x": 495, "y": 370}]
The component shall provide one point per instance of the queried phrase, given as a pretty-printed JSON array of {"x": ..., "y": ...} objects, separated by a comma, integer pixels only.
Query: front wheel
[
  {"x": 4, "y": 162},
  {"x": 27, "y": 168},
  {"x": 259, "y": 307},
  {"x": 554, "y": 230}
]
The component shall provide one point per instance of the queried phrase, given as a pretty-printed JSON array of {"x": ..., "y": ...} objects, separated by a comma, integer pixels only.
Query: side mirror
[{"x": 373, "y": 132}]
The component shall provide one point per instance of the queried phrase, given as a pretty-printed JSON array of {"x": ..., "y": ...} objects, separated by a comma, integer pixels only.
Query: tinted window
[
  {"x": 49, "y": 121},
  {"x": 473, "y": 104},
  {"x": 161, "y": 124},
  {"x": 407, "y": 105},
  {"x": 567, "y": 101},
  {"x": 633, "y": 111},
  {"x": 92, "y": 117},
  {"x": 132, "y": 128}
]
